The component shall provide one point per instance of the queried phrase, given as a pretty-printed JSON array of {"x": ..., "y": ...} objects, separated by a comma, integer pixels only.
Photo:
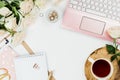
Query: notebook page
[{"x": 31, "y": 67}]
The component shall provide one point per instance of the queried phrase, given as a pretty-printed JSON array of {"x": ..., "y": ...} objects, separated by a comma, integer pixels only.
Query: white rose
[
  {"x": 40, "y": 3},
  {"x": 26, "y": 6},
  {"x": 10, "y": 23},
  {"x": 114, "y": 32},
  {"x": 4, "y": 11}
]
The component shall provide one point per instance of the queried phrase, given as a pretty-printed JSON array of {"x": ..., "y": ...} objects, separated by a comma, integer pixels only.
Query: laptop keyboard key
[
  {"x": 95, "y": 12},
  {"x": 70, "y": 5},
  {"x": 73, "y": 2}
]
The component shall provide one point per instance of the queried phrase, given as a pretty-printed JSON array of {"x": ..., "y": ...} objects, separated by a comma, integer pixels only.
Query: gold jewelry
[{"x": 5, "y": 74}]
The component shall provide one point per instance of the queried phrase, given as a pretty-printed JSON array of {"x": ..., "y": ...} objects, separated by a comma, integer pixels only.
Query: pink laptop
[{"x": 92, "y": 17}]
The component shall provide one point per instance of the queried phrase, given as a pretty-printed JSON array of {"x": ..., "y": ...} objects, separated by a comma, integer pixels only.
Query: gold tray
[{"x": 101, "y": 53}]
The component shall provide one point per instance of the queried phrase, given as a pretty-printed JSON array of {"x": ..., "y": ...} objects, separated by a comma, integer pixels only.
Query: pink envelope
[{"x": 7, "y": 55}]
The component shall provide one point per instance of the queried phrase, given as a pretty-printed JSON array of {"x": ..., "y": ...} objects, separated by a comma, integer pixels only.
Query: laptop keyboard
[{"x": 104, "y": 8}]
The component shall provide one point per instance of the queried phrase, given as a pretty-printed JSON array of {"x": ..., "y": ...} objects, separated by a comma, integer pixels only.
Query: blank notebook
[{"x": 33, "y": 67}]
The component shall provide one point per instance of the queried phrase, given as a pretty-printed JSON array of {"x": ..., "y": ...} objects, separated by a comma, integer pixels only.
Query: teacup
[{"x": 101, "y": 69}]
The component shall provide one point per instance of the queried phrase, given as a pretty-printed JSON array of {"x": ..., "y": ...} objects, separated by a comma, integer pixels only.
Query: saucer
[{"x": 101, "y": 53}]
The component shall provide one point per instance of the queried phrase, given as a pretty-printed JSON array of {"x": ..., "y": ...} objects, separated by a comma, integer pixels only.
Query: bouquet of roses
[{"x": 12, "y": 12}]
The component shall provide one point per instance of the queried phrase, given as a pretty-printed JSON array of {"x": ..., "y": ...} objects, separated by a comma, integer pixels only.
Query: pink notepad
[{"x": 7, "y": 56}]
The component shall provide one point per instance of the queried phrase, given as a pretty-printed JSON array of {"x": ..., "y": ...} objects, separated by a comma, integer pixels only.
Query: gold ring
[{"x": 4, "y": 74}]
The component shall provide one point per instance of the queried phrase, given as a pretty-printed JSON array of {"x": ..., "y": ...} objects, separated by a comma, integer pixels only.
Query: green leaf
[
  {"x": 8, "y": 5},
  {"x": 119, "y": 62},
  {"x": 118, "y": 54},
  {"x": 16, "y": 14},
  {"x": 11, "y": 31},
  {"x": 17, "y": 18},
  {"x": 110, "y": 49},
  {"x": 16, "y": 4},
  {"x": 1, "y": 16},
  {"x": 2, "y": 4},
  {"x": 14, "y": 10},
  {"x": 2, "y": 27},
  {"x": 113, "y": 57}
]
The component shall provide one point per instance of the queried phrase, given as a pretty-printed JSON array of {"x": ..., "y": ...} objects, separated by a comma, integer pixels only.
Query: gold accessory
[{"x": 4, "y": 74}]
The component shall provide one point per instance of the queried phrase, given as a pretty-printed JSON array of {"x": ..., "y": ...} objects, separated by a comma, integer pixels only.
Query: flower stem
[{"x": 115, "y": 45}]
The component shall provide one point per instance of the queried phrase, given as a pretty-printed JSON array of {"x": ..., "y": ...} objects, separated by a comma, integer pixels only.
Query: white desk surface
[{"x": 66, "y": 50}]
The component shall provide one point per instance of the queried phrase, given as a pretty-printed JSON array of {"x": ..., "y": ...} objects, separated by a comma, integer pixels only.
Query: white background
[{"x": 66, "y": 50}]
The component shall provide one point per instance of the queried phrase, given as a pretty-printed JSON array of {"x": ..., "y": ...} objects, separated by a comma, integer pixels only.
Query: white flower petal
[
  {"x": 4, "y": 11},
  {"x": 40, "y": 3},
  {"x": 10, "y": 23},
  {"x": 114, "y": 32},
  {"x": 26, "y": 6}
]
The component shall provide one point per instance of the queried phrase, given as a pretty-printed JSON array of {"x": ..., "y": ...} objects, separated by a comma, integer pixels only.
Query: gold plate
[{"x": 101, "y": 53}]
